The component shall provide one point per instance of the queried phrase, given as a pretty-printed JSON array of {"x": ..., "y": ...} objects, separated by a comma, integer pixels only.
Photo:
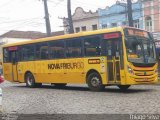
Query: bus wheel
[
  {"x": 30, "y": 81},
  {"x": 60, "y": 85},
  {"x": 94, "y": 82},
  {"x": 38, "y": 84},
  {"x": 123, "y": 87}
]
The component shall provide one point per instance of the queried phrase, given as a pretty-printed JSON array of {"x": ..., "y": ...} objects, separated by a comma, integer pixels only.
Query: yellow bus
[{"x": 121, "y": 56}]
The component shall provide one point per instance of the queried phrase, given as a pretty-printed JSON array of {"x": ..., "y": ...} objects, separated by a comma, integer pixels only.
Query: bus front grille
[{"x": 144, "y": 72}]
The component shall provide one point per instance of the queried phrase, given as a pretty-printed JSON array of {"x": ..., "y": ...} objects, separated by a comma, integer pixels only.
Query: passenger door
[
  {"x": 14, "y": 65},
  {"x": 114, "y": 57}
]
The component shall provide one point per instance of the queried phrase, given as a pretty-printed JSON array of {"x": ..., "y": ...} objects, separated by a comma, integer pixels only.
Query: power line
[
  {"x": 22, "y": 23},
  {"x": 56, "y": 3},
  {"x": 20, "y": 20},
  {"x": 6, "y": 3}
]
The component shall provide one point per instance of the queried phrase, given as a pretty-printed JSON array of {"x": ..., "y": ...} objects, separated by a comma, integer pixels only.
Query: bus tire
[
  {"x": 123, "y": 87},
  {"x": 30, "y": 81},
  {"x": 38, "y": 84},
  {"x": 94, "y": 82},
  {"x": 60, "y": 85}
]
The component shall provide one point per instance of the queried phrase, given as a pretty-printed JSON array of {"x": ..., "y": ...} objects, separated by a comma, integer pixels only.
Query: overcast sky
[{"x": 28, "y": 15}]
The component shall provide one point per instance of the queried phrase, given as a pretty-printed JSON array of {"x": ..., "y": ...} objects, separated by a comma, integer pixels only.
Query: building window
[
  {"x": 136, "y": 23},
  {"x": 148, "y": 23},
  {"x": 104, "y": 26},
  {"x": 83, "y": 28},
  {"x": 94, "y": 27},
  {"x": 114, "y": 24},
  {"x": 77, "y": 29}
]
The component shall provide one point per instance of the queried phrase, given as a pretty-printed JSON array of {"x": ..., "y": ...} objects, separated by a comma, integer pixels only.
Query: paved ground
[{"x": 79, "y": 100}]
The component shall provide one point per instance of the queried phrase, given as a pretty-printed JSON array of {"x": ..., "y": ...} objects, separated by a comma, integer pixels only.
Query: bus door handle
[{"x": 65, "y": 73}]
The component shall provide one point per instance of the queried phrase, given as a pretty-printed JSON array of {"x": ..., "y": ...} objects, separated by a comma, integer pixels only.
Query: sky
[{"x": 28, "y": 15}]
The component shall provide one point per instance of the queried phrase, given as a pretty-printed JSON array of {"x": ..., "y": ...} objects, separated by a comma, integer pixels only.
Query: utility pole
[
  {"x": 129, "y": 8},
  {"x": 48, "y": 27},
  {"x": 70, "y": 17}
]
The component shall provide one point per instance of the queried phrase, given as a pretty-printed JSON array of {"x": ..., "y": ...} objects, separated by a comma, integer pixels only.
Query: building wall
[
  {"x": 113, "y": 14},
  {"x": 87, "y": 22},
  {"x": 117, "y": 13},
  {"x": 82, "y": 18},
  {"x": 151, "y": 9}
]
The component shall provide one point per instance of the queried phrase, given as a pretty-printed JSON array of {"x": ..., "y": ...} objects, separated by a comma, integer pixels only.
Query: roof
[
  {"x": 66, "y": 36},
  {"x": 29, "y": 34},
  {"x": 57, "y": 33}
]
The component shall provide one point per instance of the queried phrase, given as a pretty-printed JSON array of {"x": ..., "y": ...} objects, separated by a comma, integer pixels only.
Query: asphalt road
[{"x": 74, "y": 99}]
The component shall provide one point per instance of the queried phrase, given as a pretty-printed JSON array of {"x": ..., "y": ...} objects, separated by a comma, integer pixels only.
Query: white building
[{"x": 82, "y": 21}]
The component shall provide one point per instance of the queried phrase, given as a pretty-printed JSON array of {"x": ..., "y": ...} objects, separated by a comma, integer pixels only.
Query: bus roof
[{"x": 74, "y": 35}]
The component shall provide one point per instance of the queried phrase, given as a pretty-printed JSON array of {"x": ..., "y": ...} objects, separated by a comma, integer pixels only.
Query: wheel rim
[
  {"x": 95, "y": 81},
  {"x": 29, "y": 81}
]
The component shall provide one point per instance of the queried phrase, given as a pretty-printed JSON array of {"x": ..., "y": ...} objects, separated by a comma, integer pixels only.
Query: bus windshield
[{"x": 140, "y": 50}]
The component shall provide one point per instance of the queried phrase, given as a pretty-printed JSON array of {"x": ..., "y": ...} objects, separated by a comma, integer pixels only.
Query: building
[
  {"x": 151, "y": 15},
  {"x": 82, "y": 21},
  {"x": 117, "y": 15},
  {"x": 113, "y": 16},
  {"x": 146, "y": 15}
]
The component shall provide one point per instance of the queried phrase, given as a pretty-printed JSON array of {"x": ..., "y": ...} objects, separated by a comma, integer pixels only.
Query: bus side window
[
  {"x": 57, "y": 49},
  {"x": 27, "y": 52},
  {"x": 41, "y": 51},
  {"x": 14, "y": 58},
  {"x": 44, "y": 52},
  {"x": 74, "y": 48},
  {"x": 92, "y": 46}
]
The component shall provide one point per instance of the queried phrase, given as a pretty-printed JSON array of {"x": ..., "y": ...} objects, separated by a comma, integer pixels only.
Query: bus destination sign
[{"x": 136, "y": 32}]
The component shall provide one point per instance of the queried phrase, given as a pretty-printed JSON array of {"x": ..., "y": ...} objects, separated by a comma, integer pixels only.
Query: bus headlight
[{"x": 130, "y": 70}]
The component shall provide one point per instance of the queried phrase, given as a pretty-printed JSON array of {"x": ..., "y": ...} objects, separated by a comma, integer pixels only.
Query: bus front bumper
[{"x": 142, "y": 79}]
